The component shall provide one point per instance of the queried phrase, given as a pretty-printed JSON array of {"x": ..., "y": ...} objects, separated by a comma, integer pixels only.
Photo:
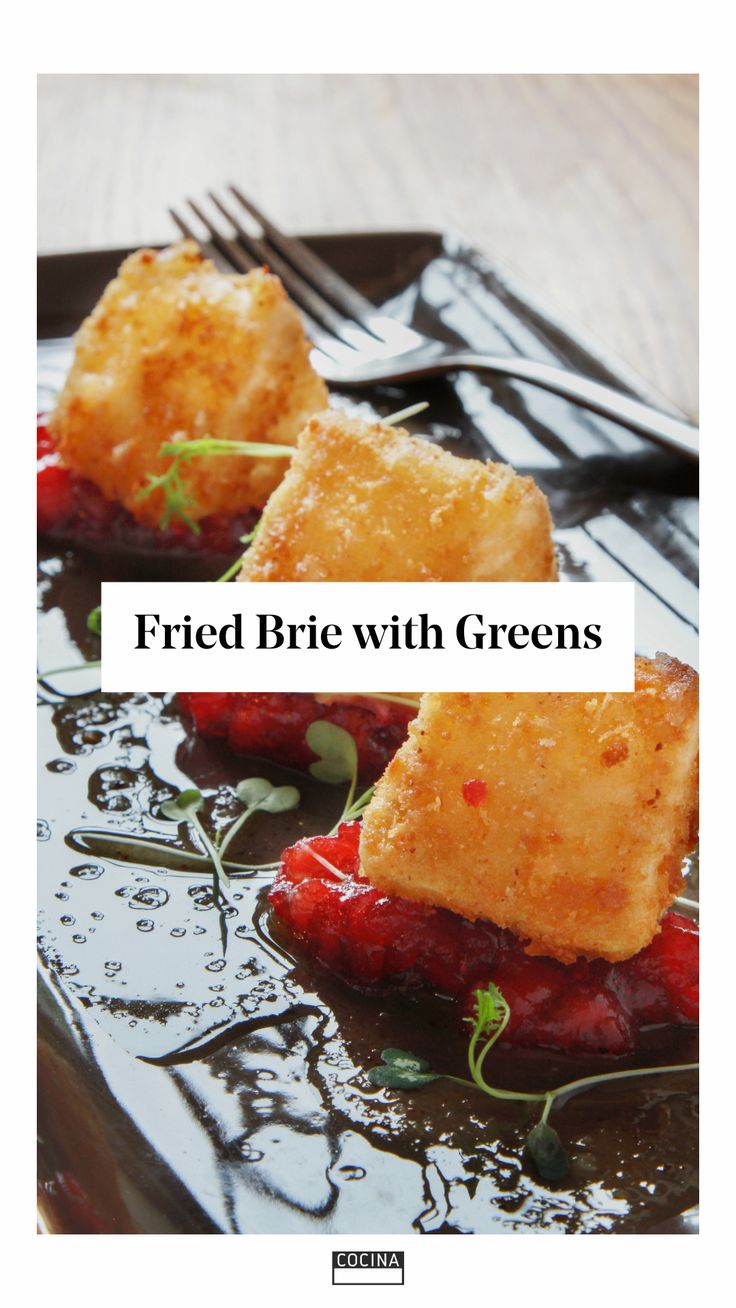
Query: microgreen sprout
[
  {"x": 489, "y": 1020},
  {"x": 178, "y": 500},
  {"x": 337, "y": 753},
  {"x": 325, "y": 862},
  {"x": 250, "y": 536},
  {"x": 337, "y": 761},
  {"x": 235, "y": 567},
  {"x": 356, "y": 810},
  {"x": 409, "y": 701},
  {"x": 258, "y": 795},
  {"x": 402, "y": 1071},
  {"x": 255, "y": 794},
  {"x": 183, "y": 451},
  {"x": 691, "y": 904},
  {"x": 185, "y": 807},
  {"x": 146, "y": 852},
  {"x": 544, "y": 1147},
  {"x": 401, "y": 416}
]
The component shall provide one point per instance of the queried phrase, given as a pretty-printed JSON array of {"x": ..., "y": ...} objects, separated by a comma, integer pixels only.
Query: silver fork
[{"x": 357, "y": 346}]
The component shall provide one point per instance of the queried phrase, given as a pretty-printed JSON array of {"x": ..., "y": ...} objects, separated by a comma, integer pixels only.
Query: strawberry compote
[
  {"x": 275, "y": 725},
  {"x": 371, "y": 938},
  {"x": 73, "y": 510}
]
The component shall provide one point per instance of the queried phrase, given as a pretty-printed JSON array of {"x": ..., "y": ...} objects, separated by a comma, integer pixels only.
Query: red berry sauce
[
  {"x": 72, "y": 509},
  {"x": 274, "y": 725},
  {"x": 371, "y": 938}
]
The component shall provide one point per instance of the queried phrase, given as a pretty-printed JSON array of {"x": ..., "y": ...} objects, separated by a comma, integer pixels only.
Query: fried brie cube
[
  {"x": 368, "y": 502},
  {"x": 176, "y": 350},
  {"x": 563, "y": 817}
]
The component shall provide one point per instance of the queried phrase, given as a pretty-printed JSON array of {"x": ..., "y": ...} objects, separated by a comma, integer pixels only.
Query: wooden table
[{"x": 586, "y": 185}]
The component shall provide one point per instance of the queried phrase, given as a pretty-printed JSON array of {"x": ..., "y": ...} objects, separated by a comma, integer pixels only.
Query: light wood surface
[{"x": 585, "y": 185}]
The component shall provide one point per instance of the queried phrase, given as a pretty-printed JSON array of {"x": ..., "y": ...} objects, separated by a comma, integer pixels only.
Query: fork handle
[{"x": 672, "y": 432}]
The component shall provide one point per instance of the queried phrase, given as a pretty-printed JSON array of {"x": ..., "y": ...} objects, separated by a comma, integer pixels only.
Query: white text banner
[{"x": 336, "y": 638}]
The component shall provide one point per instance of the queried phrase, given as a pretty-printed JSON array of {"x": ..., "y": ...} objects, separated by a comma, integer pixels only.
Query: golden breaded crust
[
  {"x": 367, "y": 502},
  {"x": 176, "y": 350},
  {"x": 589, "y": 810}
]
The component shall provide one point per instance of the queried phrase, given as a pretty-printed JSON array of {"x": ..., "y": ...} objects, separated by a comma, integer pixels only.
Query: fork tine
[
  {"x": 318, "y": 310},
  {"x": 252, "y": 257},
  {"x": 232, "y": 252},
  {"x": 250, "y": 243},
  {"x": 241, "y": 261},
  {"x": 232, "y": 256},
  {"x": 313, "y": 269},
  {"x": 184, "y": 227}
]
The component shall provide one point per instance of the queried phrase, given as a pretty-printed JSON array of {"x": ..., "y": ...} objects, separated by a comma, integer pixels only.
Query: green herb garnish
[
  {"x": 404, "y": 1071},
  {"x": 258, "y": 795},
  {"x": 401, "y": 1071},
  {"x": 409, "y": 701},
  {"x": 182, "y": 451},
  {"x": 185, "y": 807},
  {"x": 235, "y": 567},
  {"x": 336, "y": 750},
  {"x": 155, "y": 853},
  {"x": 410, "y": 412},
  {"x": 544, "y": 1147},
  {"x": 337, "y": 761},
  {"x": 178, "y": 499},
  {"x": 255, "y": 794}
]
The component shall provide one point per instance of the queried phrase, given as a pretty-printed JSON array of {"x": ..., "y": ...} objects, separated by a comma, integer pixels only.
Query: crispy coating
[
  {"x": 176, "y": 350},
  {"x": 573, "y": 832},
  {"x": 368, "y": 502}
]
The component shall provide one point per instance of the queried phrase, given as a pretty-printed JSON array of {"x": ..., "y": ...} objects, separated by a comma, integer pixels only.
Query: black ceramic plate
[{"x": 187, "y": 1090}]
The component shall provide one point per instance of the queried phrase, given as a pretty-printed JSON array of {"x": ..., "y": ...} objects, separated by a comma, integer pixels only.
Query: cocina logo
[
  {"x": 368, "y": 1267},
  {"x": 368, "y": 1259}
]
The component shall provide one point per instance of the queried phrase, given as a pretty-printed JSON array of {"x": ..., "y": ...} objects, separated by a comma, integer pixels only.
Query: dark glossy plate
[{"x": 183, "y": 1089}]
